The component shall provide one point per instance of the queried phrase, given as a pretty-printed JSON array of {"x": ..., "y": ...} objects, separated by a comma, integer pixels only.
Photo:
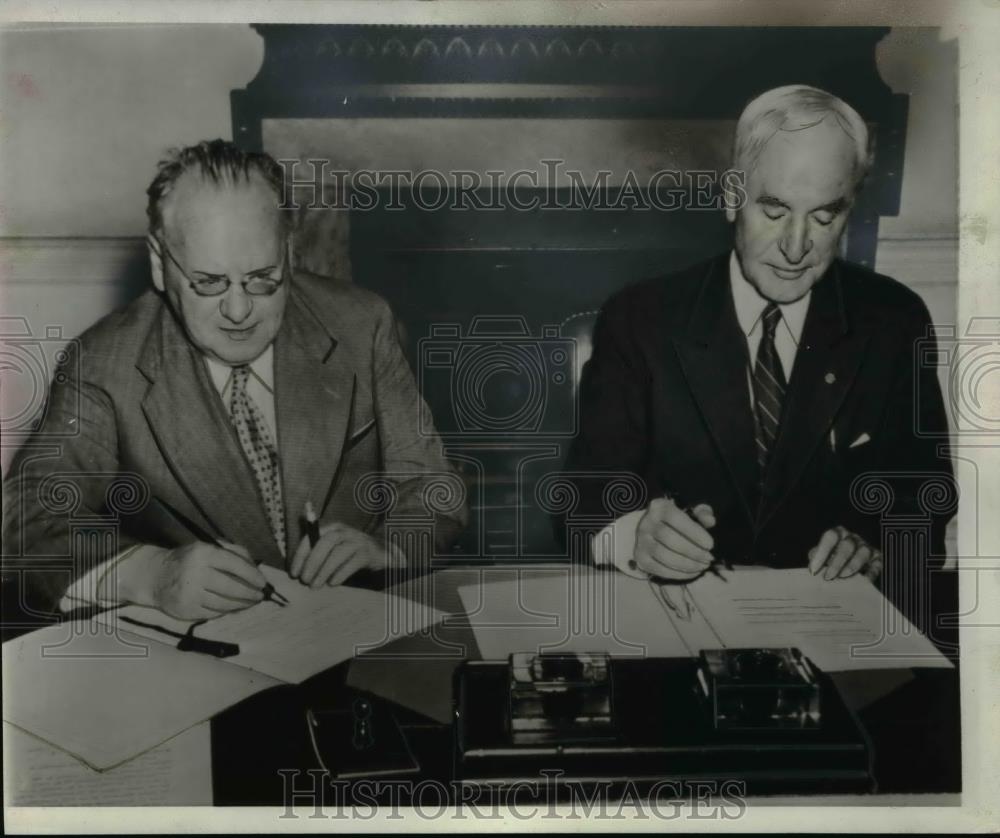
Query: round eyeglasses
[{"x": 262, "y": 283}]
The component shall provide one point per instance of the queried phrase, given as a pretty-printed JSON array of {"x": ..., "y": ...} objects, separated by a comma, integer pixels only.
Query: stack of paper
[
  {"x": 107, "y": 696},
  {"x": 316, "y": 630},
  {"x": 106, "y": 690}
]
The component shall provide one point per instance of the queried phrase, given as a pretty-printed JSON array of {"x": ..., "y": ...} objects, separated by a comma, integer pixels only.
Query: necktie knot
[
  {"x": 241, "y": 375},
  {"x": 771, "y": 317},
  {"x": 238, "y": 389}
]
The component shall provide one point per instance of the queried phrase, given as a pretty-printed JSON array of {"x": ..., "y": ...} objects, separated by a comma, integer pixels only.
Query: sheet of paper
[
  {"x": 315, "y": 631},
  {"x": 106, "y": 696},
  {"x": 570, "y": 609},
  {"x": 842, "y": 625},
  {"x": 176, "y": 773}
]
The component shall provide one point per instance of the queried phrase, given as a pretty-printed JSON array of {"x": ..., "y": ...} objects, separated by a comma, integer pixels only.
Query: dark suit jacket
[
  {"x": 144, "y": 420},
  {"x": 665, "y": 397}
]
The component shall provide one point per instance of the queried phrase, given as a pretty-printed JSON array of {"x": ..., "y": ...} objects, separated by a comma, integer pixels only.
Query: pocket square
[{"x": 861, "y": 440}]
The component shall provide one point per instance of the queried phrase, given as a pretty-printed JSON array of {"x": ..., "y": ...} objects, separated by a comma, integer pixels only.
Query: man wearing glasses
[{"x": 237, "y": 394}]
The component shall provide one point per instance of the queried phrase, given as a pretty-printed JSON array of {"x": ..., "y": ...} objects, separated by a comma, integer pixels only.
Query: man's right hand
[
  {"x": 671, "y": 544},
  {"x": 195, "y": 582}
]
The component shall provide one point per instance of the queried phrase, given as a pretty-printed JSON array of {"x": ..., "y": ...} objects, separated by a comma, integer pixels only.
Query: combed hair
[
  {"x": 793, "y": 108},
  {"x": 219, "y": 161}
]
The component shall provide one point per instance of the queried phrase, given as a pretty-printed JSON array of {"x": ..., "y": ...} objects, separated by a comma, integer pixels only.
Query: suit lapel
[
  {"x": 713, "y": 356},
  {"x": 195, "y": 437},
  {"x": 826, "y": 364},
  {"x": 314, "y": 396}
]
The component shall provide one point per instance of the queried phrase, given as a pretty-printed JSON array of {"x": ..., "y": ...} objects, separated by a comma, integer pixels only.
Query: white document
[
  {"x": 571, "y": 609},
  {"x": 106, "y": 696},
  {"x": 315, "y": 631},
  {"x": 842, "y": 625},
  {"x": 176, "y": 773}
]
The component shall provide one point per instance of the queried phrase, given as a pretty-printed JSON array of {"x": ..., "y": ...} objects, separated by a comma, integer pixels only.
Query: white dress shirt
[
  {"x": 260, "y": 385},
  {"x": 260, "y": 388},
  {"x": 615, "y": 544},
  {"x": 750, "y": 306}
]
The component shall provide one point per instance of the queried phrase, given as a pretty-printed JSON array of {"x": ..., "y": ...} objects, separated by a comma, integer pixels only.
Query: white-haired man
[{"x": 750, "y": 392}]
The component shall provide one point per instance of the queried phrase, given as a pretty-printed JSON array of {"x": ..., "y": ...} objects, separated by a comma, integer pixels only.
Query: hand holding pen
[
  {"x": 200, "y": 580},
  {"x": 196, "y": 581},
  {"x": 331, "y": 553},
  {"x": 268, "y": 592},
  {"x": 674, "y": 544}
]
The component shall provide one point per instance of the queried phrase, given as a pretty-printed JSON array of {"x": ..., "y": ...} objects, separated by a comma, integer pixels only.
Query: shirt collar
[
  {"x": 750, "y": 304},
  {"x": 262, "y": 368}
]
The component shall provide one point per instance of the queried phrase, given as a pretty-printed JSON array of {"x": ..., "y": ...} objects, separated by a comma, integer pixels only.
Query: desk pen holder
[
  {"x": 748, "y": 689},
  {"x": 559, "y": 697}
]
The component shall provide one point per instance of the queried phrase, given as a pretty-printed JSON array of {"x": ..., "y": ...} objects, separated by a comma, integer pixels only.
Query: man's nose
[
  {"x": 236, "y": 304},
  {"x": 795, "y": 242}
]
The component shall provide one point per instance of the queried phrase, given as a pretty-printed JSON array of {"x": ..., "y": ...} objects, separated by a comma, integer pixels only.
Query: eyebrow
[
  {"x": 834, "y": 206},
  {"x": 254, "y": 272}
]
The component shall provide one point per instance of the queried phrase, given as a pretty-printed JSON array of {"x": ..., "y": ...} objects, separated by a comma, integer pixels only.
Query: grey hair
[
  {"x": 219, "y": 161},
  {"x": 793, "y": 108}
]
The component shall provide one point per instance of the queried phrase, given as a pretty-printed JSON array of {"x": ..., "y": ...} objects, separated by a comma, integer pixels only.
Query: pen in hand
[
  {"x": 703, "y": 514},
  {"x": 268, "y": 591},
  {"x": 311, "y": 525}
]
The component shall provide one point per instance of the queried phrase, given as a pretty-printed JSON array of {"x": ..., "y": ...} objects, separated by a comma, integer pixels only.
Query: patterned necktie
[
  {"x": 261, "y": 452},
  {"x": 768, "y": 388}
]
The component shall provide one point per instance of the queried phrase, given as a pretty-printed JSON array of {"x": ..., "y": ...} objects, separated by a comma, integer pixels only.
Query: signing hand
[
  {"x": 340, "y": 552},
  {"x": 672, "y": 544},
  {"x": 843, "y": 554},
  {"x": 199, "y": 581}
]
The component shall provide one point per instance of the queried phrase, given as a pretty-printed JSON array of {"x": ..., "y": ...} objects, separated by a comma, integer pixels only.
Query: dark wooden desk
[{"x": 912, "y": 716}]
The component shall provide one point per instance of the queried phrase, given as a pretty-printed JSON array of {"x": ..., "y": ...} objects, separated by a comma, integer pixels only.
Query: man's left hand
[
  {"x": 339, "y": 553},
  {"x": 840, "y": 553}
]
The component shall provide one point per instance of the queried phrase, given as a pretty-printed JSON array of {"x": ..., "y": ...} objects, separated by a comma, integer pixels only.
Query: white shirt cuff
[
  {"x": 84, "y": 591},
  {"x": 615, "y": 544}
]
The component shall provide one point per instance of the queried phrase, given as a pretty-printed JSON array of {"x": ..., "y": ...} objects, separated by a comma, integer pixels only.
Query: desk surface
[{"x": 912, "y": 716}]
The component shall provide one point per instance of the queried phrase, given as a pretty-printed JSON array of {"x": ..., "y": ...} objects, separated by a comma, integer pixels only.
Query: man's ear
[
  {"x": 155, "y": 262},
  {"x": 734, "y": 194}
]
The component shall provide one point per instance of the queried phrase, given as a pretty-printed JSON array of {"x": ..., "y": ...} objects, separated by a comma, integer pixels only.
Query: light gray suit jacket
[{"x": 134, "y": 433}]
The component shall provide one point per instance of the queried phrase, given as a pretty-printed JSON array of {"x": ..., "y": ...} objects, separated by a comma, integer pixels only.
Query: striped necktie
[
  {"x": 260, "y": 450},
  {"x": 768, "y": 388}
]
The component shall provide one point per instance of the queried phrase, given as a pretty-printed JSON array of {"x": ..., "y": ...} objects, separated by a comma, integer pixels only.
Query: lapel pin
[{"x": 829, "y": 378}]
